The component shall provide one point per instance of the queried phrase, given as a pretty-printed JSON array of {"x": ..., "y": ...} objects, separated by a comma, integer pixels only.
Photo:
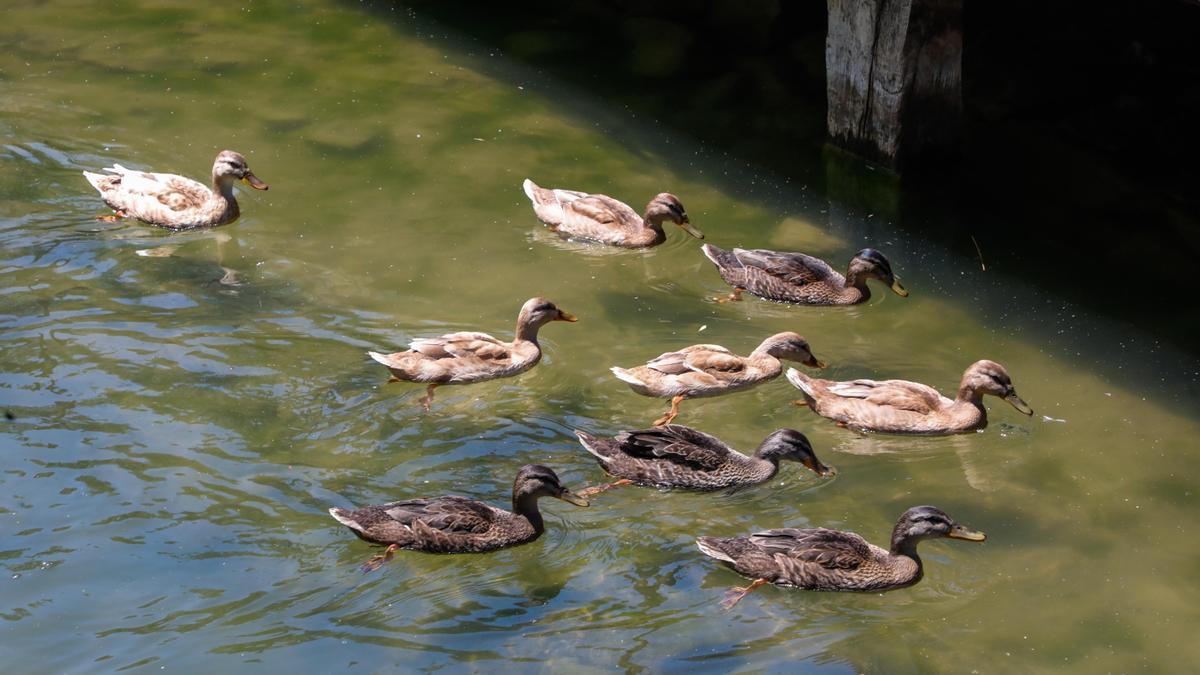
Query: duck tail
[
  {"x": 531, "y": 189},
  {"x": 97, "y": 180},
  {"x": 626, "y": 376},
  {"x": 590, "y": 443},
  {"x": 719, "y": 256},
  {"x": 381, "y": 358},
  {"x": 343, "y": 517},
  {"x": 800, "y": 381},
  {"x": 712, "y": 547}
]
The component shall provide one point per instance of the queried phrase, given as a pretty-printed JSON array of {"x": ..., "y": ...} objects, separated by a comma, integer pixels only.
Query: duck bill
[
  {"x": 566, "y": 316},
  {"x": 572, "y": 498},
  {"x": 253, "y": 181},
  {"x": 898, "y": 289},
  {"x": 686, "y": 226},
  {"x": 960, "y": 532},
  {"x": 1018, "y": 403},
  {"x": 814, "y": 362},
  {"x": 818, "y": 468}
]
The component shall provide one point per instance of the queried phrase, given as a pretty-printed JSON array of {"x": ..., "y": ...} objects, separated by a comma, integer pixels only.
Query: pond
[{"x": 185, "y": 407}]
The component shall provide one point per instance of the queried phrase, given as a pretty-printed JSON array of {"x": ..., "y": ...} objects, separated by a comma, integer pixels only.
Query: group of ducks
[{"x": 665, "y": 455}]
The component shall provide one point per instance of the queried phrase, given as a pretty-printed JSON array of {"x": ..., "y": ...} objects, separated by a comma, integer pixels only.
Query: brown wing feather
[
  {"x": 677, "y": 444},
  {"x": 831, "y": 549},
  {"x": 795, "y": 268}
]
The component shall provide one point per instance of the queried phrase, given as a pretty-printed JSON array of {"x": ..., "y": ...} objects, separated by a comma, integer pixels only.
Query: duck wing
[
  {"x": 697, "y": 358},
  {"x": 900, "y": 394},
  {"x": 794, "y": 268},
  {"x": 677, "y": 444},
  {"x": 449, "y": 515},
  {"x": 464, "y": 345},
  {"x": 177, "y": 193},
  {"x": 831, "y": 549}
]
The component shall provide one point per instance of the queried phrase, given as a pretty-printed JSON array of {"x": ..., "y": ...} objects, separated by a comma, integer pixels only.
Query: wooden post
[{"x": 894, "y": 77}]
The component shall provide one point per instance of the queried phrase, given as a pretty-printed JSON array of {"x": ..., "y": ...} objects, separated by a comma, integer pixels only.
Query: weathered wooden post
[{"x": 894, "y": 77}]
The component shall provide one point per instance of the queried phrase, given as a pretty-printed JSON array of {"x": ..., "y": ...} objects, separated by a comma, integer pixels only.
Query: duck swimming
[
  {"x": 175, "y": 202},
  {"x": 800, "y": 278},
  {"x": 903, "y": 407},
  {"x": 458, "y": 524},
  {"x": 602, "y": 219},
  {"x": 463, "y": 358},
  {"x": 711, "y": 370},
  {"x": 819, "y": 559},
  {"x": 675, "y": 456}
]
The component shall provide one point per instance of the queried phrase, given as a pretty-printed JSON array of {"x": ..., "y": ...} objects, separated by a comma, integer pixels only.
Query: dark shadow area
[{"x": 1077, "y": 172}]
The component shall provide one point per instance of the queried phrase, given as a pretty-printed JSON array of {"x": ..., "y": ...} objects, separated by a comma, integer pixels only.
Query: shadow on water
[{"x": 1043, "y": 188}]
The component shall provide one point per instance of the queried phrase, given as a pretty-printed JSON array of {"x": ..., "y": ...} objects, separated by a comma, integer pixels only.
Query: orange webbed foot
[
  {"x": 378, "y": 561},
  {"x": 597, "y": 489},
  {"x": 735, "y": 594}
]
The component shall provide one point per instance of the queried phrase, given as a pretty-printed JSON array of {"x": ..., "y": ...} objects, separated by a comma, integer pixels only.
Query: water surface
[{"x": 180, "y": 424}]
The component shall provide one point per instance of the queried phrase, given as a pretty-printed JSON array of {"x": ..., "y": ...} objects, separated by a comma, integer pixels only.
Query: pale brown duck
[
  {"x": 466, "y": 357},
  {"x": 175, "y": 202},
  {"x": 602, "y": 219},
  {"x": 903, "y": 407},
  {"x": 711, "y": 370}
]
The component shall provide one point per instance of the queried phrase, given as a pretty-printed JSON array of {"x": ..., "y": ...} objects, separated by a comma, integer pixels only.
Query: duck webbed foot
[
  {"x": 378, "y": 561},
  {"x": 113, "y": 217},
  {"x": 735, "y": 594},
  {"x": 672, "y": 413},
  {"x": 427, "y": 399},
  {"x": 735, "y": 296},
  {"x": 597, "y": 489},
  {"x": 800, "y": 402}
]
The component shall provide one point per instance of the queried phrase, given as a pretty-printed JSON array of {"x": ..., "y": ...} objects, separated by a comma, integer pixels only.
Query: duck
[
  {"x": 820, "y": 559},
  {"x": 795, "y": 277},
  {"x": 903, "y": 407},
  {"x": 676, "y": 456},
  {"x": 175, "y": 202},
  {"x": 602, "y": 219},
  {"x": 712, "y": 370},
  {"x": 454, "y": 524},
  {"x": 467, "y": 357}
]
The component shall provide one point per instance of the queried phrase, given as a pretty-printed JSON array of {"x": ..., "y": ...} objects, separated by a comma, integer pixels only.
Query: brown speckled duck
[
  {"x": 602, "y": 219},
  {"x": 175, "y": 202},
  {"x": 458, "y": 524},
  {"x": 711, "y": 370},
  {"x": 800, "y": 278},
  {"x": 819, "y": 559},
  {"x": 676, "y": 456},
  {"x": 903, "y": 407},
  {"x": 463, "y": 358}
]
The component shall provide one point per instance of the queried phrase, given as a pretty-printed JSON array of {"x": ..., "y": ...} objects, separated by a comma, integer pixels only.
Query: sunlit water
[{"x": 182, "y": 423}]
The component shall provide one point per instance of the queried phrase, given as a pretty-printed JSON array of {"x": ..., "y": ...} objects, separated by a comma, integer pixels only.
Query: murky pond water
[{"x": 180, "y": 424}]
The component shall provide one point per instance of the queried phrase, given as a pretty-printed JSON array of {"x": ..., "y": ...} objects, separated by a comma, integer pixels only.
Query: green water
[{"x": 182, "y": 423}]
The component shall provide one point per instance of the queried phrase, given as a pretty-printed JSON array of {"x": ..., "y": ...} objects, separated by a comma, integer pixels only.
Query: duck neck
[
  {"x": 223, "y": 191},
  {"x": 856, "y": 285},
  {"x": 527, "y": 331},
  {"x": 766, "y": 458},
  {"x": 764, "y": 359},
  {"x": 969, "y": 396},
  {"x": 654, "y": 224},
  {"x": 527, "y": 507},
  {"x": 907, "y": 547}
]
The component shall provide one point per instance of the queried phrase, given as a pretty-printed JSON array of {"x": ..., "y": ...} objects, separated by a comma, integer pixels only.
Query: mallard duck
[
  {"x": 818, "y": 559},
  {"x": 903, "y": 407},
  {"x": 463, "y": 358},
  {"x": 603, "y": 219},
  {"x": 795, "y": 277},
  {"x": 458, "y": 524},
  {"x": 712, "y": 370},
  {"x": 681, "y": 457},
  {"x": 175, "y": 202}
]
